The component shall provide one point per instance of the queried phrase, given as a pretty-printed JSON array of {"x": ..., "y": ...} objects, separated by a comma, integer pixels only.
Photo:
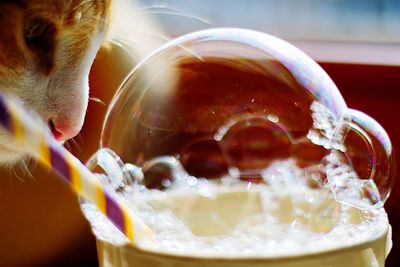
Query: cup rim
[{"x": 256, "y": 258}]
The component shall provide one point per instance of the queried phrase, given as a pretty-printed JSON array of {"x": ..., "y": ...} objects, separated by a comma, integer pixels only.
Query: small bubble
[
  {"x": 191, "y": 180},
  {"x": 157, "y": 176},
  {"x": 204, "y": 159},
  {"x": 234, "y": 172},
  {"x": 134, "y": 171},
  {"x": 252, "y": 143},
  {"x": 160, "y": 172}
]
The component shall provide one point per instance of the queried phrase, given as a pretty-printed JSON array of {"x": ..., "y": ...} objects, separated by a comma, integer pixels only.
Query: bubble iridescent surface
[{"x": 232, "y": 105}]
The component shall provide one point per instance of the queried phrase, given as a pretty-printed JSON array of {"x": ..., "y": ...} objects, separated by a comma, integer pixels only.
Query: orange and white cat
[{"x": 46, "y": 50}]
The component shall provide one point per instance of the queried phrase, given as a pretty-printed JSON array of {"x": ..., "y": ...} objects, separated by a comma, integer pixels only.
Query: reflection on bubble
[{"x": 357, "y": 192}]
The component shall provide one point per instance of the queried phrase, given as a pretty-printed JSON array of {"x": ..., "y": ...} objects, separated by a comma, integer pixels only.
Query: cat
[{"x": 47, "y": 48}]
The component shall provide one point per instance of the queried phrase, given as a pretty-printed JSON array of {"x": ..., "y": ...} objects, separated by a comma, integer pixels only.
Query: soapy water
[
  {"x": 293, "y": 205},
  {"x": 293, "y": 209},
  {"x": 231, "y": 217},
  {"x": 286, "y": 201},
  {"x": 237, "y": 143}
]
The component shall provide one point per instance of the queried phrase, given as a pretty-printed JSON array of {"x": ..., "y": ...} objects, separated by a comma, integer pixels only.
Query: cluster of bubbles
[{"x": 237, "y": 106}]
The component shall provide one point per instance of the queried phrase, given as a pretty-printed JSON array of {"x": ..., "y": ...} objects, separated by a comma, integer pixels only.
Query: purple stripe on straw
[
  {"x": 113, "y": 210},
  {"x": 4, "y": 115},
  {"x": 59, "y": 164},
  {"x": 114, "y": 213}
]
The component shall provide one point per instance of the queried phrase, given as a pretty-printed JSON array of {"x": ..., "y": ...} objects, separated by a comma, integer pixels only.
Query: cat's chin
[{"x": 10, "y": 156}]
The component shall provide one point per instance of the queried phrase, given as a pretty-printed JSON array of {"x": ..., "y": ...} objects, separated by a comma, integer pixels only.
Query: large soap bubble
[{"x": 234, "y": 105}]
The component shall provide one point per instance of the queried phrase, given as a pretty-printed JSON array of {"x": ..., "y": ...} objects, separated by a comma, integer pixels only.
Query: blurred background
[
  {"x": 356, "y": 41},
  {"x": 312, "y": 20}
]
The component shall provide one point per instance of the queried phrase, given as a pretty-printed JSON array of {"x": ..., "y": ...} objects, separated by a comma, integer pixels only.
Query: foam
[
  {"x": 267, "y": 236},
  {"x": 206, "y": 218},
  {"x": 264, "y": 234}
]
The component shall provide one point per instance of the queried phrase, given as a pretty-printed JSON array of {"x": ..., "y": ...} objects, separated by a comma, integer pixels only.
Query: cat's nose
[{"x": 63, "y": 130}]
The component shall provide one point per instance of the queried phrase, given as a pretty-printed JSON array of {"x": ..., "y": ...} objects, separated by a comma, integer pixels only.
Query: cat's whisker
[
  {"x": 156, "y": 12},
  {"x": 84, "y": 32},
  {"x": 153, "y": 33},
  {"x": 67, "y": 145},
  {"x": 123, "y": 39},
  {"x": 82, "y": 4},
  {"x": 170, "y": 11},
  {"x": 97, "y": 100},
  {"x": 31, "y": 164},
  {"x": 79, "y": 139},
  {"x": 15, "y": 174},
  {"x": 158, "y": 8},
  {"x": 25, "y": 169},
  {"x": 74, "y": 143}
]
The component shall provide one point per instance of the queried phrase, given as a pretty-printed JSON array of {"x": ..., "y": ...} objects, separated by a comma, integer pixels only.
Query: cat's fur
[{"x": 46, "y": 50}]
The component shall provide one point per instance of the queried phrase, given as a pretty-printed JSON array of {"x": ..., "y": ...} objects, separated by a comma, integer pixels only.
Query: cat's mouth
[
  {"x": 56, "y": 134},
  {"x": 63, "y": 130}
]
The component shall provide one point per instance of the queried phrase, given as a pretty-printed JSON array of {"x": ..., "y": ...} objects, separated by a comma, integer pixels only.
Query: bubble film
[{"x": 237, "y": 107}]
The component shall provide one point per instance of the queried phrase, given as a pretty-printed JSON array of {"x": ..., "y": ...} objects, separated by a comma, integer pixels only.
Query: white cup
[{"x": 363, "y": 252}]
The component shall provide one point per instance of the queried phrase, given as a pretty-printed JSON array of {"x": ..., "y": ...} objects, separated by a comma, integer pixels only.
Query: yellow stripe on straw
[
  {"x": 17, "y": 125},
  {"x": 101, "y": 198},
  {"x": 75, "y": 176},
  {"x": 128, "y": 223},
  {"x": 44, "y": 152}
]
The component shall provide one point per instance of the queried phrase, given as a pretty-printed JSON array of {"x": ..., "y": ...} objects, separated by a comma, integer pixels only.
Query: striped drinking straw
[{"x": 41, "y": 145}]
